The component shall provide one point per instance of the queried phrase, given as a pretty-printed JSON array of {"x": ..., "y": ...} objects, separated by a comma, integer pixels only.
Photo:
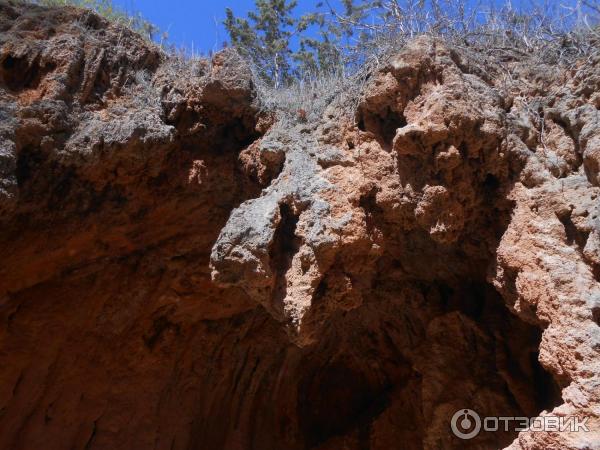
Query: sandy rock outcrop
[{"x": 183, "y": 270}]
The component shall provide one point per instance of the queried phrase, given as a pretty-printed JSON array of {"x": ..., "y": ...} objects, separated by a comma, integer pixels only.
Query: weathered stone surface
[{"x": 181, "y": 270}]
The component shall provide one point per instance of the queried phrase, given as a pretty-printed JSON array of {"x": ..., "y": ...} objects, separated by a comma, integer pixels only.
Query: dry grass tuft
[{"x": 544, "y": 33}]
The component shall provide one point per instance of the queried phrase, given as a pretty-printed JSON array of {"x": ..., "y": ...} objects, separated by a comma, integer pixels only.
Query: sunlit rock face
[{"x": 183, "y": 270}]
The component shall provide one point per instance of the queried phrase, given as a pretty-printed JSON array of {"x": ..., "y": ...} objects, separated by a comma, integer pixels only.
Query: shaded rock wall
[{"x": 183, "y": 271}]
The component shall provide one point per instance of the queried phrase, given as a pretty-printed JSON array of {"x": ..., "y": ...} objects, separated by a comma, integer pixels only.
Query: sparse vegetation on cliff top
[
  {"x": 302, "y": 62},
  {"x": 108, "y": 10}
]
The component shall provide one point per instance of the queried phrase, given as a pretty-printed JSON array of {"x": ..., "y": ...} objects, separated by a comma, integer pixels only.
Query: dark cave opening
[
  {"x": 461, "y": 346},
  {"x": 334, "y": 399},
  {"x": 19, "y": 73},
  {"x": 521, "y": 341},
  {"x": 382, "y": 125}
]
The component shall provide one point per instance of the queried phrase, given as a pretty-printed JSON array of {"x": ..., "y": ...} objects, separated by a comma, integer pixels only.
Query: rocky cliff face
[{"x": 182, "y": 270}]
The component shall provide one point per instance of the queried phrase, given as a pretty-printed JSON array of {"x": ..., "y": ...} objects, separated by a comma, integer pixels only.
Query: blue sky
[{"x": 197, "y": 24}]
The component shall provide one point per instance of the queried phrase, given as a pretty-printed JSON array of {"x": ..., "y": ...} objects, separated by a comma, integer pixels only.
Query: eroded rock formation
[{"x": 183, "y": 270}]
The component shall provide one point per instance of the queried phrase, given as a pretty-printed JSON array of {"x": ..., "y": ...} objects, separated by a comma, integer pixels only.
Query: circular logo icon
[{"x": 465, "y": 424}]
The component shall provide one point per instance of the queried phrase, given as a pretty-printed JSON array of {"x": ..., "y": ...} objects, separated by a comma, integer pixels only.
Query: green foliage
[
  {"x": 281, "y": 46},
  {"x": 106, "y": 9},
  {"x": 265, "y": 36}
]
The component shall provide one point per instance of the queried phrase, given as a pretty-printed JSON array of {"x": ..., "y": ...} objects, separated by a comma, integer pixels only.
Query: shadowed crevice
[{"x": 284, "y": 247}]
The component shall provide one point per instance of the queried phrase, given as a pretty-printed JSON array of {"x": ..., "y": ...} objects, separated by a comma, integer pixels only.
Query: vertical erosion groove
[{"x": 284, "y": 247}]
